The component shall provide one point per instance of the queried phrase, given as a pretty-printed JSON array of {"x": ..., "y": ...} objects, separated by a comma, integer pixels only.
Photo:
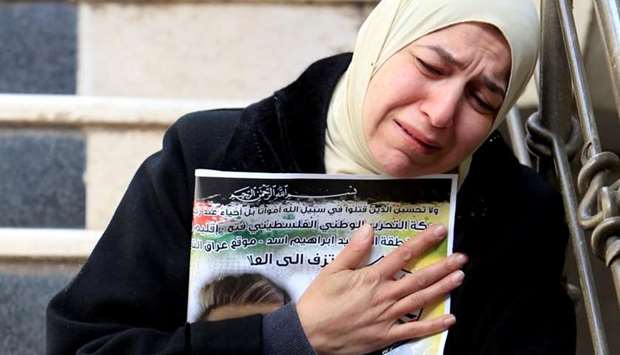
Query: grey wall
[
  {"x": 38, "y": 53},
  {"x": 41, "y": 171},
  {"x": 25, "y": 291},
  {"x": 41, "y": 180}
]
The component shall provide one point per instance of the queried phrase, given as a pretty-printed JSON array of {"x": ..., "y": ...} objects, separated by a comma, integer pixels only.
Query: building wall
[
  {"x": 41, "y": 167},
  {"x": 227, "y": 50},
  {"x": 216, "y": 51}
]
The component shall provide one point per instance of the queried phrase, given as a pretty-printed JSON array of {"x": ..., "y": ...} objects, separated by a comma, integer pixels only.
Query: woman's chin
[
  {"x": 394, "y": 162},
  {"x": 398, "y": 167}
]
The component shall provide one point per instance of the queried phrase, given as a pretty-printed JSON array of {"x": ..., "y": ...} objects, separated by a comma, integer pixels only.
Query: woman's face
[{"x": 433, "y": 102}]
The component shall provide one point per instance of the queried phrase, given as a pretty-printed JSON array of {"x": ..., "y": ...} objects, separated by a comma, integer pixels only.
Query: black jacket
[{"x": 131, "y": 295}]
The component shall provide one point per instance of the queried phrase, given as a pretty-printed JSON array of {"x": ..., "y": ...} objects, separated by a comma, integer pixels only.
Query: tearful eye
[
  {"x": 429, "y": 68},
  {"x": 483, "y": 105}
]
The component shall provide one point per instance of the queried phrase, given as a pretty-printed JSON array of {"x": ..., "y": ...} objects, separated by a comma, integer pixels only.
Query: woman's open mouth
[{"x": 423, "y": 144}]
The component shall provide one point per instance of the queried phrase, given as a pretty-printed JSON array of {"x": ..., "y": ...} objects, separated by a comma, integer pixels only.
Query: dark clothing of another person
[{"x": 131, "y": 295}]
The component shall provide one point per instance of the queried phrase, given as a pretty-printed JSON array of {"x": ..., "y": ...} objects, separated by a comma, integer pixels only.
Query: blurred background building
[{"x": 87, "y": 89}]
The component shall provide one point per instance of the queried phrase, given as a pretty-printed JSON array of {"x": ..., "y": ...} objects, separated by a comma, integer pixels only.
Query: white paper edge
[{"x": 274, "y": 176}]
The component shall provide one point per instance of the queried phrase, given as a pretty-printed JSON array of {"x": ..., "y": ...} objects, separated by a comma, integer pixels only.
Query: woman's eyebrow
[
  {"x": 493, "y": 87},
  {"x": 445, "y": 55},
  {"x": 450, "y": 59}
]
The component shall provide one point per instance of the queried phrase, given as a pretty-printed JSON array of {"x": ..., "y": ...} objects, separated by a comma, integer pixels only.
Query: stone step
[{"x": 26, "y": 289}]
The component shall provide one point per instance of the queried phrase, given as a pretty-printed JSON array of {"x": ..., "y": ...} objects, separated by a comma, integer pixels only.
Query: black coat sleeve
[
  {"x": 513, "y": 300},
  {"x": 540, "y": 317},
  {"x": 131, "y": 295}
]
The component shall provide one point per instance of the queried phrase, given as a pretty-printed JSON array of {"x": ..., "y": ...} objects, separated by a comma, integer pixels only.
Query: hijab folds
[{"x": 393, "y": 25}]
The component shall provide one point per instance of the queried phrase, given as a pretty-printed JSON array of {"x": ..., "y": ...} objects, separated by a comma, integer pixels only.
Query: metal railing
[
  {"x": 600, "y": 165},
  {"x": 554, "y": 132}
]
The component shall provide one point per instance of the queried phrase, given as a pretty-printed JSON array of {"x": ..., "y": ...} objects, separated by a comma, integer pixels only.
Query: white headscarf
[{"x": 394, "y": 24}]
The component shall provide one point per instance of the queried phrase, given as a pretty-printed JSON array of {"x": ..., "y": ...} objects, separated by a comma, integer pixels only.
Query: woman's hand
[{"x": 347, "y": 310}]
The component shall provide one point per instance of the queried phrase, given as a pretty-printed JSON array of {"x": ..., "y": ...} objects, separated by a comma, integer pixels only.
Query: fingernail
[
  {"x": 440, "y": 231},
  {"x": 458, "y": 277},
  {"x": 449, "y": 320},
  {"x": 459, "y": 258}
]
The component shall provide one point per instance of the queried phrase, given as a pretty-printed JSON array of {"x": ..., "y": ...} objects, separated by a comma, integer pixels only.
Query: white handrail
[
  {"x": 31, "y": 243},
  {"x": 93, "y": 110}
]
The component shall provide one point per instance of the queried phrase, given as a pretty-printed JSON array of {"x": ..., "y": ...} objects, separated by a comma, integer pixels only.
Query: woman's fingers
[
  {"x": 413, "y": 248},
  {"x": 329, "y": 309},
  {"x": 427, "y": 276},
  {"x": 425, "y": 296},
  {"x": 355, "y": 252},
  {"x": 410, "y": 330}
]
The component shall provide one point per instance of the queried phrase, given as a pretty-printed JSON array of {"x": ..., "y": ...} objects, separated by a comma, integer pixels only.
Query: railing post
[
  {"x": 599, "y": 209},
  {"x": 555, "y": 90},
  {"x": 549, "y": 130},
  {"x": 608, "y": 16},
  {"x": 517, "y": 137}
]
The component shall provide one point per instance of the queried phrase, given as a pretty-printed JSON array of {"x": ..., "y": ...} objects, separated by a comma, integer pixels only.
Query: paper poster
[{"x": 287, "y": 227}]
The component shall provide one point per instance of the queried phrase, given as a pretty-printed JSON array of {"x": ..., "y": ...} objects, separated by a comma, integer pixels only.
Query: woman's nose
[{"x": 441, "y": 105}]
